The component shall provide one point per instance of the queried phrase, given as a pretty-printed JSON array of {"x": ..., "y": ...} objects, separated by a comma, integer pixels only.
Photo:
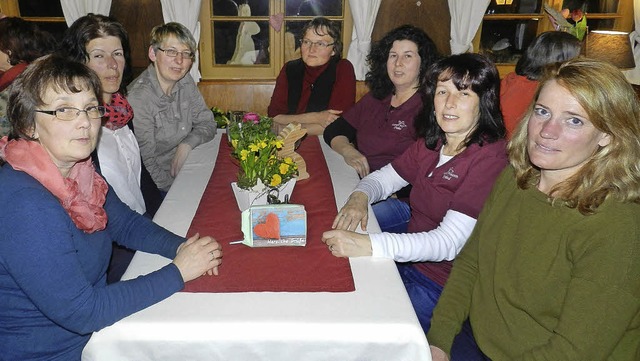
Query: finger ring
[{"x": 331, "y": 248}]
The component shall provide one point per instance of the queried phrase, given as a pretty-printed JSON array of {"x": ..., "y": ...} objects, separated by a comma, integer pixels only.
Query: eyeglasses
[
  {"x": 172, "y": 53},
  {"x": 71, "y": 113},
  {"x": 306, "y": 43}
]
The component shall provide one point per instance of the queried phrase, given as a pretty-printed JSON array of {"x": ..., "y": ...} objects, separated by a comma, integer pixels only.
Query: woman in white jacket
[{"x": 102, "y": 44}]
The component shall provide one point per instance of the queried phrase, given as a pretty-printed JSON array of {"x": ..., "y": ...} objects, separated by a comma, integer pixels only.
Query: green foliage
[{"x": 256, "y": 146}]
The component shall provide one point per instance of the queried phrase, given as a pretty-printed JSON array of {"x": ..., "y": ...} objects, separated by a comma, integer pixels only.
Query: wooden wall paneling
[
  {"x": 432, "y": 16},
  {"x": 249, "y": 95},
  {"x": 138, "y": 17}
]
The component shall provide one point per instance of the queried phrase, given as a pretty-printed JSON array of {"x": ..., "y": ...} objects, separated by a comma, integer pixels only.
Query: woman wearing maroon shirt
[
  {"x": 317, "y": 88},
  {"x": 380, "y": 126},
  {"x": 452, "y": 168}
]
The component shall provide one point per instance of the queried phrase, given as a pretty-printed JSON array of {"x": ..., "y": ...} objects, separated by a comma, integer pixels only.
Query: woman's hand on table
[
  {"x": 354, "y": 212},
  {"x": 355, "y": 159},
  {"x": 347, "y": 244},
  {"x": 351, "y": 155},
  {"x": 438, "y": 355},
  {"x": 197, "y": 256}
]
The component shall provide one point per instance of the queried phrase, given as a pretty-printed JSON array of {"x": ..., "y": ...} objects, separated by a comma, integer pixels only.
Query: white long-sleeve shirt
[{"x": 442, "y": 243}]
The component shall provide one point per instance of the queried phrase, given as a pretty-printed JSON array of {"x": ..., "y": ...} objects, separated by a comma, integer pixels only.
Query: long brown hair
[{"x": 612, "y": 107}]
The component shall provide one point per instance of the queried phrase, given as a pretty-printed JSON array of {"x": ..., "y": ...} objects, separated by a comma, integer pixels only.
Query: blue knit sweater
[{"x": 53, "y": 291}]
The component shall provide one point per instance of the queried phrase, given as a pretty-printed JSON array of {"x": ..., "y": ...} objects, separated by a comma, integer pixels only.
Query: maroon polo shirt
[
  {"x": 383, "y": 133},
  {"x": 462, "y": 184}
]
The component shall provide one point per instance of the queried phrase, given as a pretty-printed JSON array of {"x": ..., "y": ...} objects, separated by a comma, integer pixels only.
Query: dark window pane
[
  {"x": 313, "y": 7},
  {"x": 504, "y": 40},
  {"x": 224, "y": 35},
  {"x": 592, "y": 6},
  {"x": 601, "y": 24},
  {"x": 245, "y": 7},
  {"x": 225, "y": 8},
  {"x": 56, "y": 29},
  {"x": 39, "y": 8},
  {"x": 514, "y": 6},
  {"x": 249, "y": 45}
]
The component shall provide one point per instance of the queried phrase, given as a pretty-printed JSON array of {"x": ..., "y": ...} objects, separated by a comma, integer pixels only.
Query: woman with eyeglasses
[
  {"x": 59, "y": 217},
  {"x": 102, "y": 44},
  {"x": 380, "y": 126},
  {"x": 171, "y": 117},
  {"x": 315, "y": 89}
]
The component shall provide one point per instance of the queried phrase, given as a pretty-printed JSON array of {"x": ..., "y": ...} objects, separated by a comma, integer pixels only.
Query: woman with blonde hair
[{"x": 551, "y": 270}]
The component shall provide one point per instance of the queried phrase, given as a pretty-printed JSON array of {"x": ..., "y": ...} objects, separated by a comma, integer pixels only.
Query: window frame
[
  {"x": 12, "y": 8},
  {"x": 210, "y": 71},
  {"x": 621, "y": 18}
]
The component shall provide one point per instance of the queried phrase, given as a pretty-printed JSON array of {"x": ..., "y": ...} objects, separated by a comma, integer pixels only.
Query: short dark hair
[
  {"x": 377, "y": 78},
  {"x": 23, "y": 41},
  {"x": 28, "y": 90},
  {"x": 466, "y": 71},
  {"x": 321, "y": 26},
  {"x": 547, "y": 48},
  {"x": 94, "y": 26}
]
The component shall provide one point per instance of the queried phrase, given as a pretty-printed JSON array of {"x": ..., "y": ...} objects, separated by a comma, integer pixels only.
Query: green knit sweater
[{"x": 543, "y": 282}]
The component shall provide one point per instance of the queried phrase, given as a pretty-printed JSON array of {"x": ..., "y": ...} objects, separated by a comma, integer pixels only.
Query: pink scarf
[
  {"x": 119, "y": 112},
  {"x": 82, "y": 194}
]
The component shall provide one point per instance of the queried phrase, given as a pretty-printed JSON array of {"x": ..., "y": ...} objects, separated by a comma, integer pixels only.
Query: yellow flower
[
  {"x": 243, "y": 154},
  {"x": 234, "y": 143},
  {"x": 275, "y": 180},
  {"x": 278, "y": 143},
  {"x": 263, "y": 144},
  {"x": 284, "y": 168},
  {"x": 288, "y": 160},
  {"x": 253, "y": 147}
]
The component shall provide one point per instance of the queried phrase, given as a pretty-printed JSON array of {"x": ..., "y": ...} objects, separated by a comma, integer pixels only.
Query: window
[
  {"x": 252, "y": 39},
  {"x": 509, "y": 26},
  {"x": 47, "y": 14}
]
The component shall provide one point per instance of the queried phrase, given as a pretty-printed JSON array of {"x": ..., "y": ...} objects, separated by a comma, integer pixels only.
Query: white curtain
[
  {"x": 364, "y": 14},
  {"x": 466, "y": 16},
  {"x": 185, "y": 12},
  {"x": 74, "y": 9},
  {"x": 633, "y": 75}
]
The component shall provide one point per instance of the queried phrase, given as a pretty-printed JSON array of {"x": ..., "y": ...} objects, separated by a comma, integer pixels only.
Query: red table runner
[{"x": 277, "y": 269}]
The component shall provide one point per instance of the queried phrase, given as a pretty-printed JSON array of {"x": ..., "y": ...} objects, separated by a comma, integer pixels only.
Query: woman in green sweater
[{"x": 552, "y": 269}]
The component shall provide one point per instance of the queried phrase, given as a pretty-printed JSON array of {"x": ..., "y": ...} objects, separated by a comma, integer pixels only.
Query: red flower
[{"x": 251, "y": 117}]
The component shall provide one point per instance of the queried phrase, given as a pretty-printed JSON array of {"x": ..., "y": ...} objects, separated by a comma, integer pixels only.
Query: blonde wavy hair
[{"x": 613, "y": 107}]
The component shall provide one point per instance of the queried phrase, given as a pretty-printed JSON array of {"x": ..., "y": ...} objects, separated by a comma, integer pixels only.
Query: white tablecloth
[{"x": 376, "y": 322}]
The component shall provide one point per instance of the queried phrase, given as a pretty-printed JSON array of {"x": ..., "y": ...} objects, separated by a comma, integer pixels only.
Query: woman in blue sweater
[{"x": 59, "y": 217}]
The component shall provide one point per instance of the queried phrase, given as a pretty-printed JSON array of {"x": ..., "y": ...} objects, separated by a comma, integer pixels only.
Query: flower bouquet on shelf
[
  {"x": 264, "y": 178},
  {"x": 220, "y": 117}
]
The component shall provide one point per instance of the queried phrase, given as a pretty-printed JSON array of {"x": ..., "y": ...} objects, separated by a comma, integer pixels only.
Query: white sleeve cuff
[
  {"x": 381, "y": 184},
  {"x": 442, "y": 243}
]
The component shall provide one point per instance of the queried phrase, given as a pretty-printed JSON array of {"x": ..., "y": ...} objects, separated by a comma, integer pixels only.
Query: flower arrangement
[
  {"x": 220, "y": 117},
  {"x": 256, "y": 148}
]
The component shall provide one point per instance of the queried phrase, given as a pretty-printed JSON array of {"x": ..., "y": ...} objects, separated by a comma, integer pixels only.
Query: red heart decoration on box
[{"x": 270, "y": 229}]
